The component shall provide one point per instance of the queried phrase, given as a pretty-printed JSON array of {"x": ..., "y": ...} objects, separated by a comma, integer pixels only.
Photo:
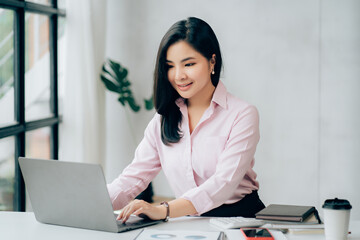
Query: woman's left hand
[{"x": 138, "y": 207}]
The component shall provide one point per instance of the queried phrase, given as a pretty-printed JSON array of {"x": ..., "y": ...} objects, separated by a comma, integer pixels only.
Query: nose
[{"x": 179, "y": 74}]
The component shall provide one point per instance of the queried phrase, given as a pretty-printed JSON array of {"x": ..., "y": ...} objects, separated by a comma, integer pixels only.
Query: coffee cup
[{"x": 336, "y": 218}]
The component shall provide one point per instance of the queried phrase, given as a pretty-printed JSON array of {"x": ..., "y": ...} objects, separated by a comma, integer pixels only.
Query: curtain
[{"x": 82, "y": 135}]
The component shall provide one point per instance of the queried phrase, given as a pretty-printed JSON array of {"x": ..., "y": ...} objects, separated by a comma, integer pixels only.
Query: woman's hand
[{"x": 139, "y": 207}]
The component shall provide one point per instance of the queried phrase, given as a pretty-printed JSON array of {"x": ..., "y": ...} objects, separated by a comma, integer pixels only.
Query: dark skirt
[{"x": 246, "y": 207}]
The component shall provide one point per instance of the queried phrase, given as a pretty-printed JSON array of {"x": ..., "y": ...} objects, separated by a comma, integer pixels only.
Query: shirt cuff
[
  {"x": 118, "y": 199},
  {"x": 200, "y": 199}
]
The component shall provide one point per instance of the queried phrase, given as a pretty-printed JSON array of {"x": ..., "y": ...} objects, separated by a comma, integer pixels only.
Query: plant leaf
[
  {"x": 132, "y": 104},
  {"x": 120, "y": 72},
  {"x": 121, "y": 100},
  {"x": 114, "y": 77},
  {"x": 109, "y": 84},
  {"x": 149, "y": 103}
]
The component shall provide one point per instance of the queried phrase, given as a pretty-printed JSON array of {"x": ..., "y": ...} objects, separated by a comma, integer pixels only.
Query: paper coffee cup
[{"x": 336, "y": 218}]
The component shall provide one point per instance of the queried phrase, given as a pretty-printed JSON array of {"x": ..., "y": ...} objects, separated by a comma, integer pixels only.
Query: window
[{"x": 31, "y": 34}]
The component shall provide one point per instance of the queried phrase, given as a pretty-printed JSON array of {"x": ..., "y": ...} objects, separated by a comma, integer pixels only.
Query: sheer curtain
[{"x": 82, "y": 135}]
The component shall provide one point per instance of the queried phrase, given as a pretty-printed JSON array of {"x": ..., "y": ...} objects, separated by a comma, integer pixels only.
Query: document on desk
[
  {"x": 154, "y": 234},
  {"x": 293, "y": 226}
]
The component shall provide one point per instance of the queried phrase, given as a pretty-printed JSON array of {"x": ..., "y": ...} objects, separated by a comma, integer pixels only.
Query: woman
[{"x": 202, "y": 137}]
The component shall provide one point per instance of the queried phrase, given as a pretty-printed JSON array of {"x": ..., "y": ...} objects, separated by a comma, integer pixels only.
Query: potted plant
[{"x": 114, "y": 77}]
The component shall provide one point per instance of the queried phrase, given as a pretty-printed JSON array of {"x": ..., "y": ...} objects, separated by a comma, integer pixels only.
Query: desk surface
[{"x": 18, "y": 225}]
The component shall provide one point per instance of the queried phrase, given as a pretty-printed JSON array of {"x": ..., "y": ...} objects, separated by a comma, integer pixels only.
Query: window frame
[{"x": 19, "y": 129}]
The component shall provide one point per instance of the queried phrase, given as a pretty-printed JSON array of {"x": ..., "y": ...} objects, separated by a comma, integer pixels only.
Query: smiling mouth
[{"x": 184, "y": 85}]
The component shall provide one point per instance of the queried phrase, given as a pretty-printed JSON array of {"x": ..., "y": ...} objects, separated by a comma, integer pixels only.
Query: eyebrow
[{"x": 184, "y": 60}]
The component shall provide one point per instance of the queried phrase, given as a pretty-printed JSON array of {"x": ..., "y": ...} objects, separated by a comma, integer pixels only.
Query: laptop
[{"x": 74, "y": 195}]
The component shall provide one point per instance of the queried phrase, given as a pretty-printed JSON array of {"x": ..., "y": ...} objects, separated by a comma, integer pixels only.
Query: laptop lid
[{"x": 70, "y": 194}]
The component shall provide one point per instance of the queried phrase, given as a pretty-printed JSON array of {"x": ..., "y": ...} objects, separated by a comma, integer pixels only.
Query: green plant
[{"x": 114, "y": 76}]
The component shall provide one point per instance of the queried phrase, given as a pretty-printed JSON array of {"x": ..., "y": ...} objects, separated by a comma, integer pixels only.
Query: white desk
[{"x": 21, "y": 226}]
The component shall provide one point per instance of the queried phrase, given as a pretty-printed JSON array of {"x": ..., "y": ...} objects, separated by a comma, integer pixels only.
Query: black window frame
[{"x": 19, "y": 129}]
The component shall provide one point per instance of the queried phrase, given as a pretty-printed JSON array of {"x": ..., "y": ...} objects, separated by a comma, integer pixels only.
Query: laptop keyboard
[
  {"x": 128, "y": 223},
  {"x": 134, "y": 222}
]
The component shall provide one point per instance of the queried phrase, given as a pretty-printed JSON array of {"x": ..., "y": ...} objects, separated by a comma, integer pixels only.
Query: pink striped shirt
[{"x": 209, "y": 167}]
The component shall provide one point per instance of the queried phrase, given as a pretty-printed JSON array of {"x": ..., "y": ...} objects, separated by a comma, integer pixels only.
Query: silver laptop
[{"x": 74, "y": 195}]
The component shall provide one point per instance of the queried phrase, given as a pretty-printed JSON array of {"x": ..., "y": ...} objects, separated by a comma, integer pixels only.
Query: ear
[
  {"x": 212, "y": 63},
  {"x": 213, "y": 59}
]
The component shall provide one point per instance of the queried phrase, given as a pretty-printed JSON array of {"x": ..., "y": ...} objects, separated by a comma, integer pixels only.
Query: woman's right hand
[{"x": 140, "y": 207}]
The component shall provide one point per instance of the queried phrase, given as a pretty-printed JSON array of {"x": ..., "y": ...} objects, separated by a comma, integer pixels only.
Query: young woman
[{"x": 202, "y": 137}]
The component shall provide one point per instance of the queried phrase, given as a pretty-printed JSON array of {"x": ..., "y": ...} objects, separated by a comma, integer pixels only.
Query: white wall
[
  {"x": 339, "y": 102},
  {"x": 297, "y": 61}
]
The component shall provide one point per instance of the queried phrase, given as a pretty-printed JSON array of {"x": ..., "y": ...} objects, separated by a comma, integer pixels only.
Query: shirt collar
[{"x": 219, "y": 96}]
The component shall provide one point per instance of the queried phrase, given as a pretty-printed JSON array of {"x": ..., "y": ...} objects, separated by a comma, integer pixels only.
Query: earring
[{"x": 213, "y": 72}]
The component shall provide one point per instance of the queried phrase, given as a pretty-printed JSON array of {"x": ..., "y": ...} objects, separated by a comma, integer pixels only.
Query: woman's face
[{"x": 189, "y": 72}]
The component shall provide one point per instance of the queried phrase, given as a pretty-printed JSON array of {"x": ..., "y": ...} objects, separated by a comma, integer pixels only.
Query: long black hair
[{"x": 201, "y": 37}]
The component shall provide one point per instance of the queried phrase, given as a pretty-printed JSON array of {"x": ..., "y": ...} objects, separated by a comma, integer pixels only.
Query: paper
[
  {"x": 154, "y": 234},
  {"x": 295, "y": 226}
]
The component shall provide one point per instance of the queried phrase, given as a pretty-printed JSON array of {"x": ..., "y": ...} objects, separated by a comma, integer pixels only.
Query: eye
[
  {"x": 189, "y": 64},
  {"x": 169, "y": 66}
]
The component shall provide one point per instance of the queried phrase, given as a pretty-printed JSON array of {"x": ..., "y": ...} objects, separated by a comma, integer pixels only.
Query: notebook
[
  {"x": 292, "y": 213},
  {"x": 74, "y": 195}
]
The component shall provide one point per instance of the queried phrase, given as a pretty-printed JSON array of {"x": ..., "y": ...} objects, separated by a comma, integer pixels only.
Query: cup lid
[{"x": 337, "y": 204}]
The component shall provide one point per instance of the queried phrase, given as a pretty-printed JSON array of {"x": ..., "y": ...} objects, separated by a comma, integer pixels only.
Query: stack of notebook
[
  {"x": 291, "y": 218},
  {"x": 290, "y": 213}
]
